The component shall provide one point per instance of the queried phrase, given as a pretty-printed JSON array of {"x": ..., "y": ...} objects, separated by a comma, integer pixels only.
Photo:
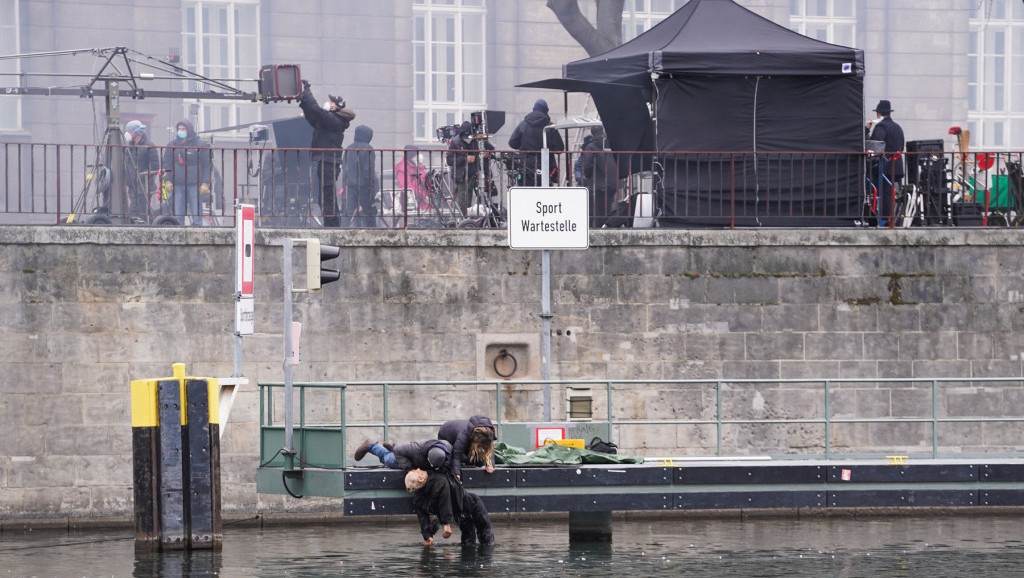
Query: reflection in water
[
  {"x": 981, "y": 547},
  {"x": 177, "y": 564}
]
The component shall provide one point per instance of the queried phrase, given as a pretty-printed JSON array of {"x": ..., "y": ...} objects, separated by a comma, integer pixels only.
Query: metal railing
[
  {"x": 952, "y": 413},
  {"x": 50, "y": 184}
]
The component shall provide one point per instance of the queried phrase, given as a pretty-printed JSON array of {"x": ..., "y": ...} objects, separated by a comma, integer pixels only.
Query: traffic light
[{"x": 316, "y": 273}]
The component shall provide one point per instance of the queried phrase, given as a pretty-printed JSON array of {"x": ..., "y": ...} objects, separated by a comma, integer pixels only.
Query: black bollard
[{"x": 176, "y": 463}]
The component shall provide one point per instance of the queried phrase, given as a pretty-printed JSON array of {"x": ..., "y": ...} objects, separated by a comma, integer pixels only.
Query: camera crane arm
[
  {"x": 110, "y": 72},
  {"x": 116, "y": 70}
]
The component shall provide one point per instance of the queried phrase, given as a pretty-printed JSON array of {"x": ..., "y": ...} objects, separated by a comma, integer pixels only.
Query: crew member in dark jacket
[
  {"x": 437, "y": 494},
  {"x": 142, "y": 164},
  {"x": 421, "y": 454},
  {"x": 188, "y": 170},
  {"x": 472, "y": 441},
  {"x": 601, "y": 174},
  {"x": 329, "y": 124},
  {"x": 891, "y": 163},
  {"x": 462, "y": 158},
  {"x": 359, "y": 175},
  {"x": 528, "y": 137}
]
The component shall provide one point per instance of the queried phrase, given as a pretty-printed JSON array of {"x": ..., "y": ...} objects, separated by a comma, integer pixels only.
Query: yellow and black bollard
[{"x": 176, "y": 462}]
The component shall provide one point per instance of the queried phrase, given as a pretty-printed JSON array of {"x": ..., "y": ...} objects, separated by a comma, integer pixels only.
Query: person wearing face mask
[
  {"x": 188, "y": 167},
  {"x": 462, "y": 158},
  {"x": 329, "y": 123},
  {"x": 142, "y": 163}
]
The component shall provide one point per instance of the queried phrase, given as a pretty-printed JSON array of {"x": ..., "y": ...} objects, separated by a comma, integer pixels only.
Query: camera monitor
[
  {"x": 921, "y": 154},
  {"x": 280, "y": 82},
  {"x": 487, "y": 121}
]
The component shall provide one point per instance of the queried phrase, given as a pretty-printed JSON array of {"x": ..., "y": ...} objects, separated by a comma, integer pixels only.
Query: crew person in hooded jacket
[
  {"x": 601, "y": 173},
  {"x": 329, "y": 124},
  {"x": 359, "y": 175},
  {"x": 188, "y": 171},
  {"x": 142, "y": 164},
  {"x": 462, "y": 157},
  {"x": 528, "y": 138}
]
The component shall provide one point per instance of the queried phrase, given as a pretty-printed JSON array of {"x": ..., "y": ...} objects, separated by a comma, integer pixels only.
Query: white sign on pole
[
  {"x": 548, "y": 218},
  {"x": 245, "y": 316}
]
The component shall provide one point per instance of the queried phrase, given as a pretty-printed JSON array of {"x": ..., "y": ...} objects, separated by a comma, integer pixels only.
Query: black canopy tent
[{"x": 730, "y": 84}]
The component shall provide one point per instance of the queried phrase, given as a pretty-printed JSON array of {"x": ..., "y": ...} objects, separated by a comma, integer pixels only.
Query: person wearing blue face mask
[{"x": 188, "y": 168}]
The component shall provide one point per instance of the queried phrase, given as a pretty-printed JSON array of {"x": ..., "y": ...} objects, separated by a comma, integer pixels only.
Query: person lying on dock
[
  {"x": 472, "y": 442},
  {"x": 422, "y": 454},
  {"x": 439, "y": 499}
]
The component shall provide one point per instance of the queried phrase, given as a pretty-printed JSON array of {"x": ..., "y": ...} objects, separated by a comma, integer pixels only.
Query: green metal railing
[{"x": 335, "y": 431}]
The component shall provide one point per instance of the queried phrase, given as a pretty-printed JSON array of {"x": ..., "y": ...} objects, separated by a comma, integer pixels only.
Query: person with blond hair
[{"x": 472, "y": 442}]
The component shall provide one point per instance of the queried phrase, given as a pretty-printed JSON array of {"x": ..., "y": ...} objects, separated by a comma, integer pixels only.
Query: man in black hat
[
  {"x": 885, "y": 129},
  {"x": 329, "y": 123}
]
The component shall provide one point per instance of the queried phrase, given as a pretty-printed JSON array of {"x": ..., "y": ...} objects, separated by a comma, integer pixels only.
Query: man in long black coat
[{"x": 891, "y": 163}]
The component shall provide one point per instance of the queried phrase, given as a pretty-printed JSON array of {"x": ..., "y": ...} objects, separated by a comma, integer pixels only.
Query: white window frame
[
  {"x": 639, "y": 16},
  {"x": 211, "y": 115},
  {"x": 996, "y": 44},
  {"x": 431, "y": 112},
  {"x": 10, "y": 32},
  {"x": 801, "y": 21}
]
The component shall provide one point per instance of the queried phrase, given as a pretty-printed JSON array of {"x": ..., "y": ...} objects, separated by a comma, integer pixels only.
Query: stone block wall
[{"x": 85, "y": 310}]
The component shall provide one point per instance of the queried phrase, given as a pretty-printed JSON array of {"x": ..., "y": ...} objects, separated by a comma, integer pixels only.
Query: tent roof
[{"x": 717, "y": 37}]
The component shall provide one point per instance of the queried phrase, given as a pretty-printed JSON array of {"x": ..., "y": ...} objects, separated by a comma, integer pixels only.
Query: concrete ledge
[{"x": 132, "y": 235}]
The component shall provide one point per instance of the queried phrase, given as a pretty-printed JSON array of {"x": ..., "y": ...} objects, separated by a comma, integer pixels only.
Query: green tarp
[{"x": 557, "y": 454}]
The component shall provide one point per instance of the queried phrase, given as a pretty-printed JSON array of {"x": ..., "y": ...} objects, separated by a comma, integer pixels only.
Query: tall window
[
  {"x": 995, "y": 77},
  {"x": 221, "y": 42},
  {"x": 832, "y": 21},
  {"x": 639, "y": 16},
  {"x": 10, "y": 106},
  {"x": 448, "y": 63}
]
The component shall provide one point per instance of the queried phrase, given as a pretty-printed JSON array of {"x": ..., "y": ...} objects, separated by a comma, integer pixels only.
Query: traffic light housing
[{"x": 316, "y": 274}]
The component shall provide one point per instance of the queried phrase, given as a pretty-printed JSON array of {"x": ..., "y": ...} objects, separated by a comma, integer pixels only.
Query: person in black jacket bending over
[
  {"x": 329, "y": 124},
  {"x": 437, "y": 495},
  {"x": 528, "y": 138},
  {"x": 472, "y": 441}
]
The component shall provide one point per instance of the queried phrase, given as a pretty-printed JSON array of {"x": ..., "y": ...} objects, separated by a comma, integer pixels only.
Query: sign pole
[
  {"x": 548, "y": 218},
  {"x": 545, "y": 310},
  {"x": 289, "y": 421}
]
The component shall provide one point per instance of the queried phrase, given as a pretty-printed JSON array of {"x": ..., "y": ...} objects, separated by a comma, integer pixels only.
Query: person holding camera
[
  {"x": 329, "y": 123},
  {"x": 462, "y": 158}
]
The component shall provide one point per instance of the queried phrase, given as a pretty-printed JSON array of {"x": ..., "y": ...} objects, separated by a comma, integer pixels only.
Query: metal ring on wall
[{"x": 504, "y": 354}]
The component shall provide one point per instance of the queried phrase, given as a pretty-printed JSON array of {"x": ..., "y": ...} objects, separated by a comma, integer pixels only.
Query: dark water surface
[{"x": 979, "y": 547}]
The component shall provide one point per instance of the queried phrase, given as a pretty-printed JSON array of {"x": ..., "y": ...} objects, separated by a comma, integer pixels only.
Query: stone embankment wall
[{"x": 85, "y": 310}]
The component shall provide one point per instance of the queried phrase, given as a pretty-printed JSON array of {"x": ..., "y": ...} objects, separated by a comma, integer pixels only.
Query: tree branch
[{"x": 576, "y": 24}]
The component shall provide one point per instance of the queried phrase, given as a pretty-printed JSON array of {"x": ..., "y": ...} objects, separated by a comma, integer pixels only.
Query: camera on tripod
[{"x": 447, "y": 133}]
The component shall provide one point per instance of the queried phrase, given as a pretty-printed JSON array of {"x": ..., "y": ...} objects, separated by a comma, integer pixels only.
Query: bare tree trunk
[{"x": 595, "y": 40}]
